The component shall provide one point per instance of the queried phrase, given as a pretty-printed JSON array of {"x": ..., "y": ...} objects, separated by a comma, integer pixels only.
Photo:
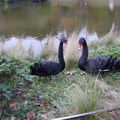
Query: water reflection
[{"x": 49, "y": 18}]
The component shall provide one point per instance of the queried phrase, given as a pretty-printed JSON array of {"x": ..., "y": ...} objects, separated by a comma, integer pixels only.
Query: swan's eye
[{"x": 65, "y": 41}]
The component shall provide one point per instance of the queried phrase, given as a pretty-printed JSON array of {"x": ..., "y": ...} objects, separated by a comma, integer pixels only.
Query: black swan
[
  {"x": 48, "y": 68},
  {"x": 101, "y": 64}
]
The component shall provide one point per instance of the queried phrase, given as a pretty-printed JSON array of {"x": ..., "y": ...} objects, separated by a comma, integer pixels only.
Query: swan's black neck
[
  {"x": 60, "y": 56},
  {"x": 84, "y": 56}
]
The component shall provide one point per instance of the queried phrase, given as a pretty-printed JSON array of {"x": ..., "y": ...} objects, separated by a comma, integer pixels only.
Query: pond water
[{"x": 49, "y": 18}]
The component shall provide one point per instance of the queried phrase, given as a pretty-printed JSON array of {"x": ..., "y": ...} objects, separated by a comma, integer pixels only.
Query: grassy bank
[{"x": 68, "y": 93}]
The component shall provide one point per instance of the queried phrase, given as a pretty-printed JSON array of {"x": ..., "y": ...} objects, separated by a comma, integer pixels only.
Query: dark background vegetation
[{"x": 18, "y": 1}]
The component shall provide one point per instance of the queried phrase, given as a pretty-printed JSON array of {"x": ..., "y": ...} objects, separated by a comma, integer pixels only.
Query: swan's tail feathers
[
  {"x": 107, "y": 65},
  {"x": 116, "y": 66},
  {"x": 35, "y": 69},
  {"x": 111, "y": 64}
]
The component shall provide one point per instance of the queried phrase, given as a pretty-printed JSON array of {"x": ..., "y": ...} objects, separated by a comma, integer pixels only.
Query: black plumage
[
  {"x": 101, "y": 64},
  {"x": 48, "y": 68}
]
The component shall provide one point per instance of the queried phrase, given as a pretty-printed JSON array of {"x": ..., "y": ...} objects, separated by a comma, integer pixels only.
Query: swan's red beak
[
  {"x": 65, "y": 42},
  {"x": 80, "y": 46}
]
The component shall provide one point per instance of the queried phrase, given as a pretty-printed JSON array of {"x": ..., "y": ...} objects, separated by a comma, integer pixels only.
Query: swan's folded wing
[
  {"x": 96, "y": 65},
  {"x": 104, "y": 63},
  {"x": 50, "y": 67}
]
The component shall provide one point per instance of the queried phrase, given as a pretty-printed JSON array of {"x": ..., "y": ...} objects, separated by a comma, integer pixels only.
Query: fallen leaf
[
  {"x": 70, "y": 73},
  {"x": 46, "y": 102},
  {"x": 12, "y": 105},
  {"x": 30, "y": 115}
]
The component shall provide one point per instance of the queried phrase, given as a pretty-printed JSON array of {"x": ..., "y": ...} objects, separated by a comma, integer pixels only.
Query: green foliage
[
  {"x": 7, "y": 71},
  {"x": 12, "y": 72},
  {"x": 5, "y": 88},
  {"x": 7, "y": 66},
  {"x": 15, "y": 77},
  {"x": 113, "y": 50}
]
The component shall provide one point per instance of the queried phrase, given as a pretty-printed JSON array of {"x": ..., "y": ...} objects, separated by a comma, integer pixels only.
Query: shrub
[{"x": 72, "y": 53}]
